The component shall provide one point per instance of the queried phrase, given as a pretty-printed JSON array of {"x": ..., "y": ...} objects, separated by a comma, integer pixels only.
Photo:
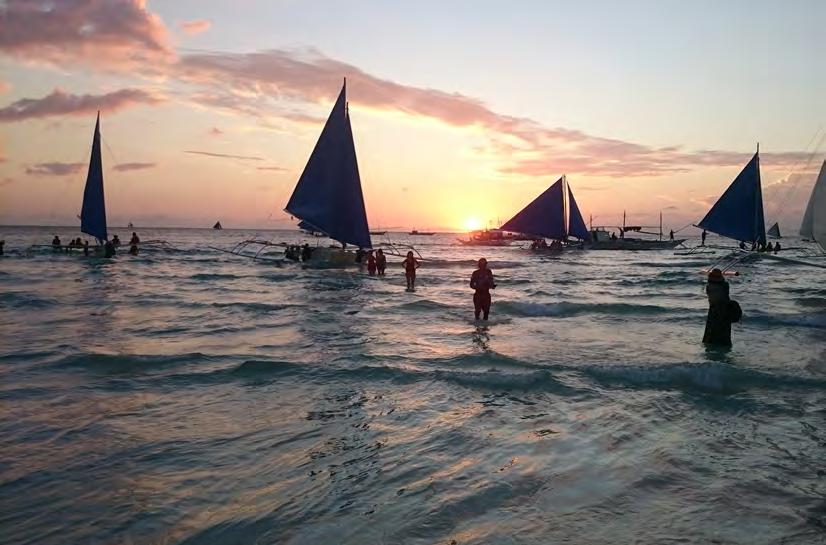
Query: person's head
[
  {"x": 410, "y": 254},
  {"x": 716, "y": 276},
  {"x": 482, "y": 263},
  {"x": 85, "y": 242},
  {"x": 379, "y": 252}
]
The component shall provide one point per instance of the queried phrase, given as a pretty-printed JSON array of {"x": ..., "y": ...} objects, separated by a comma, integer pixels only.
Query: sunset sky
[{"x": 462, "y": 111}]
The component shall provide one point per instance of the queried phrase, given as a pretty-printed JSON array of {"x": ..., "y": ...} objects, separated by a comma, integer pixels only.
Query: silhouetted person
[
  {"x": 2, "y": 243},
  {"x": 306, "y": 252},
  {"x": 133, "y": 249},
  {"x": 482, "y": 281},
  {"x": 742, "y": 245},
  {"x": 109, "y": 249},
  {"x": 703, "y": 238},
  {"x": 777, "y": 246},
  {"x": 85, "y": 247},
  {"x": 671, "y": 235},
  {"x": 613, "y": 236},
  {"x": 769, "y": 247},
  {"x": 371, "y": 263},
  {"x": 410, "y": 265},
  {"x": 56, "y": 242},
  {"x": 135, "y": 239},
  {"x": 381, "y": 261},
  {"x": 718, "y": 321},
  {"x": 115, "y": 241},
  {"x": 360, "y": 255}
]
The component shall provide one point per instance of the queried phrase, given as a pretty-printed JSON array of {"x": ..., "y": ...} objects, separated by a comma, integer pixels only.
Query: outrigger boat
[
  {"x": 552, "y": 215},
  {"x": 328, "y": 199},
  {"x": 486, "y": 237},
  {"x": 602, "y": 239}
]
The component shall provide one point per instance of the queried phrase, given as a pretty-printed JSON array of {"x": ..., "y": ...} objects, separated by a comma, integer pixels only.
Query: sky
[{"x": 462, "y": 111}]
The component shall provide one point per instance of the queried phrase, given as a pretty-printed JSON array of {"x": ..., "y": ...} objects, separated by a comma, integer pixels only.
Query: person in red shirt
[
  {"x": 410, "y": 265},
  {"x": 482, "y": 281},
  {"x": 371, "y": 263}
]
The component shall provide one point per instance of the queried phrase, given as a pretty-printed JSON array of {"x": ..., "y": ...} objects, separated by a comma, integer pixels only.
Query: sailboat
[
  {"x": 774, "y": 231},
  {"x": 328, "y": 198},
  {"x": 554, "y": 214},
  {"x": 93, "y": 211},
  {"x": 217, "y": 226},
  {"x": 813, "y": 226},
  {"x": 738, "y": 213}
]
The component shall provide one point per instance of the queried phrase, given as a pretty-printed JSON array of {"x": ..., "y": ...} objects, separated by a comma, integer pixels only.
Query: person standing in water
[
  {"x": 371, "y": 263},
  {"x": 410, "y": 265},
  {"x": 703, "y": 238},
  {"x": 482, "y": 281},
  {"x": 718, "y": 322},
  {"x": 381, "y": 261}
]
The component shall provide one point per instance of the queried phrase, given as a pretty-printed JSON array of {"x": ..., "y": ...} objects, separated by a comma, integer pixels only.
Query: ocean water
[{"x": 189, "y": 396}]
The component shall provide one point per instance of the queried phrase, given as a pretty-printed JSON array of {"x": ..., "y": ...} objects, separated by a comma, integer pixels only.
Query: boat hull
[{"x": 635, "y": 244}]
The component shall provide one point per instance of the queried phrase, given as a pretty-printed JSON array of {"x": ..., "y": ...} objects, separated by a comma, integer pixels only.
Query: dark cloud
[
  {"x": 106, "y": 33},
  {"x": 125, "y": 167},
  {"x": 60, "y": 103},
  {"x": 225, "y": 155},
  {"x": 55, "y": 169}
]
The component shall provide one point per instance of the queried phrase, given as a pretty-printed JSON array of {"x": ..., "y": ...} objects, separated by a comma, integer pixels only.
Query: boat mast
[{"x": 661, "y": 224}]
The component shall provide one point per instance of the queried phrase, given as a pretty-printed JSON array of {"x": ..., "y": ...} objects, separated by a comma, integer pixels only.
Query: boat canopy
[
  {"x": 814, "y": 220},
  {"x": 93, "y": 212},
  {"x": 328, "y": 195},
  {"x": 550, "y": 215},
  {"x": 738, "y": 214}
]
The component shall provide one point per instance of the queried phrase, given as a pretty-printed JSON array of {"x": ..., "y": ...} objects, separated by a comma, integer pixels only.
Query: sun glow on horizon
[{"x": 472, "y": 224}]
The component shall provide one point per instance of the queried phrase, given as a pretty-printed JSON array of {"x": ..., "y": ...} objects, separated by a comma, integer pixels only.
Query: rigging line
[{"x": 779, "y": 205}]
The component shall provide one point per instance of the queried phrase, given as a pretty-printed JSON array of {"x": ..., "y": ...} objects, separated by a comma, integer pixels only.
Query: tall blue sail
[
  {"x": 738, "y": 214},
  {"x": 93, "y": 213},
  {"x": 328, "y": 195},
  {"x": 576, "y": 225},
  {"x": 544, "y": 216}
]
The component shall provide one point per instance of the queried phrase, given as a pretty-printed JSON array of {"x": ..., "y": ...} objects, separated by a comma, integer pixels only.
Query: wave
[
  {"x": 704, "y": 377},
  {"x": 565, "y": 309},
  {"x": 254, "y": 306},
  {"x": 22, "y": 301},
  {"x": 789, "y": 320},
  {"x": 425, "y": 305},
  {"x": 214, "y": 276},
  {"x": 130, "y": 363},
  {"x": 471, "y": 264}
]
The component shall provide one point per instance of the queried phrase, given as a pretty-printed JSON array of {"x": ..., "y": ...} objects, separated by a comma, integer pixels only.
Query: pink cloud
[
  {"x": 238, "y": 82},
  {"x": 55, "y": 169},
  {"x": 60, "y": 103},
  {"x": 126, "y": 167},
  {"x": 195, "y": 27},
  {"x": 103, "y": 32},
  {"x": 5, "y": 87}
]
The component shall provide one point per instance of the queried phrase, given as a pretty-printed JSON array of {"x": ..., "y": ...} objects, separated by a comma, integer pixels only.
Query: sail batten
[
  {"x": 814, "y": 220},
  {"x": 328, "y": 195},
  {"x": 738, "y": 213},
  {"x": 93, "y": 211}
]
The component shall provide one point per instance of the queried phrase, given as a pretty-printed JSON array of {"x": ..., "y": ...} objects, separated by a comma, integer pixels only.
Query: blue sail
[
  {"x": 738, "y": 214},
  {"x": 93, "y": 213},
  {"x": 544, "y": 216},
  {"x": 576, "y": 225},
  {"x": 328, "y": 195}
]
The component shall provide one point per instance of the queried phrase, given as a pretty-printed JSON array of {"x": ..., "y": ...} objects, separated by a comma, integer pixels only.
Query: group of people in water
[{"x": 109, "y": 247}]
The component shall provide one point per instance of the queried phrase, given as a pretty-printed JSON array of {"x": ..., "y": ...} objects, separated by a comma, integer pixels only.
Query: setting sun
[{"x": 472, "y": 224}]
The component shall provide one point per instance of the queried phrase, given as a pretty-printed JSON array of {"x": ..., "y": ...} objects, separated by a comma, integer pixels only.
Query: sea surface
[{"x": 190, "y": 396}]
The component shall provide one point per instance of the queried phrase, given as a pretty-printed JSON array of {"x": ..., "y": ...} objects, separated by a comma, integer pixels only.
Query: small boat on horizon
[
  {"x": 217, "y": 226},
  {"x": 414, "y": 232}
]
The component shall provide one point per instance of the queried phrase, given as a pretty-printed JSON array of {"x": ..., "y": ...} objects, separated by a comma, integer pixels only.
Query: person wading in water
[
  {"x": 482, "y": 281},
  {"x": 718, "y": 322}
]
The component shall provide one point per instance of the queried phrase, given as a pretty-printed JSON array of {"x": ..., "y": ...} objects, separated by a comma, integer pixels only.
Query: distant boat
[
  {"x": 328, "y": 198},
  {"x": 738, "y": 213},
  {"x": 813, "y": 226},
  {"x": 217, "y": 225},
  {"x": 774, "y": 231},
  {"x": 601, "y": 239},
  {"x": 422, "y": 233},
  {"x": 378, "y": 233},
  {"x": 486, "y": 237},
  {"x": 553, "y": 215},
  {"x": 130, "y": 225}
]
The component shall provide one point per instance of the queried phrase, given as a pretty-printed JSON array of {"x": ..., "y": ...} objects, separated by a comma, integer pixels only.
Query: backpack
[{"x": 735, "y": 313}]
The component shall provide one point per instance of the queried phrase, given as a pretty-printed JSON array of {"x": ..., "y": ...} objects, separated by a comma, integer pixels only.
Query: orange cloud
[
  {"x": 4, "y": 87},
  {"x": 60, "y": 103},
  {"x": 195, "y": 27},
  {"x": 103, "y": 32},
  {"x": 126, "y": 167}
]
